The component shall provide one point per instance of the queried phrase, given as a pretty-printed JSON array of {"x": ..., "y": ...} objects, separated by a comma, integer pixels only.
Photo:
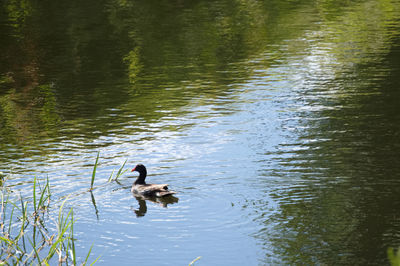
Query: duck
[{"x": 139, "y": 187}]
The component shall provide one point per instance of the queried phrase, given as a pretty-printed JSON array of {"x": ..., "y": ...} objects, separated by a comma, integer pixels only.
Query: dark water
[{"x": 277, "y": 122}]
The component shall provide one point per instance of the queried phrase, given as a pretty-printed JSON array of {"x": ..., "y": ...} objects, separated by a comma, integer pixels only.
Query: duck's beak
[{"x": 134, "y": 169}]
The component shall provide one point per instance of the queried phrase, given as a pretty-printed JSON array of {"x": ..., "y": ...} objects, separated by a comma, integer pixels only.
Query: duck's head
[
  {"x": 140, "y": 168},
  {"x": 142, "y": 174}
]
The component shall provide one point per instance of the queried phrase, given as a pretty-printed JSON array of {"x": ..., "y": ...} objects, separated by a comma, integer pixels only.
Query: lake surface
[{"x": 277, "y": 122}]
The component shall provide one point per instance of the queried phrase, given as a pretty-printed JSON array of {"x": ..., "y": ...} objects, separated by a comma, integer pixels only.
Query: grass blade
[
  {"x": 41, "y": 200},
  {"x": 48, "y": 188},
  {"x": 87, "y": 256},
  {"x": 120, "y": 170},
  {"x": 94, "y": 171},
  {"x": 193, "y": 261},
  {"x": 36, "y": 253},
  {"x": 4, "y": 204},
  {"x": 9, "y": 226},
  {"x": 72, "y": 238},
  {"x": 23, "y": 210},
  {"x": 9, "y": 241},
  {"x": 34, "y": 194},
  {"x": 95, "y": 260},
  {"x": 111, "y": 176}
]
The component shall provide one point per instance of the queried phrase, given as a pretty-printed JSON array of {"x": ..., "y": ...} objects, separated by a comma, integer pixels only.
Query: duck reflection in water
[{"x": 164, "y": 202}]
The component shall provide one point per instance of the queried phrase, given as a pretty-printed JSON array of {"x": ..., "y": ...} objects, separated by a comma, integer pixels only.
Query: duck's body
[
  {"x": 140, "y": 187},
  {"x": 152, "y": 190}
]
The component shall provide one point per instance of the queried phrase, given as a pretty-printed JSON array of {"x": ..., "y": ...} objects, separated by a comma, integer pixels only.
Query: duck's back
[{"x": 152, "y": 190}]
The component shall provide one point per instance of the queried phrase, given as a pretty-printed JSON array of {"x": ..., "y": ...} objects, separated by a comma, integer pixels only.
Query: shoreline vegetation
[
  {"x": 30, "y": 234},
  {"x": 27, "y": 233}
]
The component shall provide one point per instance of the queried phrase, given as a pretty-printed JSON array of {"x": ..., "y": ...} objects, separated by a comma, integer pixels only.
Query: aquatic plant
[
  {"x": 24, "y": 235},
  {"x": 94, "y": 171},
  {"x": 193, "y": 261},
  {"x": 120, "y": 172}
]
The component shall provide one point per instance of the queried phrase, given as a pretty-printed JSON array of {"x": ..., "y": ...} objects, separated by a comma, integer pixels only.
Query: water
[{"x": 277, "y": 123}]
